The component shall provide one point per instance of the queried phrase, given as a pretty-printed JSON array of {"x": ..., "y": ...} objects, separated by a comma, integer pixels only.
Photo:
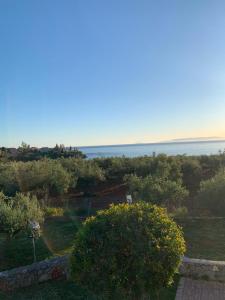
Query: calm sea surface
[{"x": 188, "y": 148}]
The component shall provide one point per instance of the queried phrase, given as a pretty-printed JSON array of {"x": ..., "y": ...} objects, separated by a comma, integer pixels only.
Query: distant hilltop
[{"x": 196, "y": 139}]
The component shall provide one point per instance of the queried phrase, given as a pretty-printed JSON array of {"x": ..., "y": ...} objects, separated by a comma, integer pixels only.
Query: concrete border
[{"x": 203, "y": 269}]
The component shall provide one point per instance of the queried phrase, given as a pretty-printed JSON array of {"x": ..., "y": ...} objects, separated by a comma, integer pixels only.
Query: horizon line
[{"x": 175, "y": 141}]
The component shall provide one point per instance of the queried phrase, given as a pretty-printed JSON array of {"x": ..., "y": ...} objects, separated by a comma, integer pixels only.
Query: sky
[{"x": 98, "y": 72}]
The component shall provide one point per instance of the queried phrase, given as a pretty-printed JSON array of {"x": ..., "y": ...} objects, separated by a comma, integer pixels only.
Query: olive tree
[
  {"x": 85, "y": 174},
  {"x": 127, "y": 251},
  {"x": 16, "y": 213},
  {"x": 43, "y": 178},
  {"x": 211, "y": 197},
  {"x": 8, "y": 179},
  {"x": 157, "y": 190}
]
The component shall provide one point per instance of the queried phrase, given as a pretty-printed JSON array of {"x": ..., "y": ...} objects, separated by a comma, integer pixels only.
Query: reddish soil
[
  {"x": 116, "y": 194},
  {"x": 103, "y": 197}
]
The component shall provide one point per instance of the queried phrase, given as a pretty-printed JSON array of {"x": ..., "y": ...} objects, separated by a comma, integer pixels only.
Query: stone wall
[
  {"x": 203, "y": 269},
  {"x": 58, "y": 268},
  {"x": 52, "y": 269}
]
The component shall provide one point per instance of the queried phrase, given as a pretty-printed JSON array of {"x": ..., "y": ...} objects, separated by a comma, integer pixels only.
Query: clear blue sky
[{"x": 94, "y": 72}]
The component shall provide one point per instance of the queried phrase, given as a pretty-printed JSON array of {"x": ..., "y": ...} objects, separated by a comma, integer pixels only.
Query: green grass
[
  {"x": 19, "y": 251},
  {"x": 68, "y": 290},
  {"x": 59, "y": 234},
  {"x": 48, "y": 291},
  {"x": 57, "y": 239},
  {"x": 204, "y": 238}
]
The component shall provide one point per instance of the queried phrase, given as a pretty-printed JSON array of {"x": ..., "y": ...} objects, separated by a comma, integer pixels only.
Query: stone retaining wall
[
  {"x": 203, "y": 269},
  {"x": 51, "y": 269},
  {"x": 58, "y": 268}
]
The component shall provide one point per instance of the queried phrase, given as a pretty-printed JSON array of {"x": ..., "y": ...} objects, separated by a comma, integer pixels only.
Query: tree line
[
  {"x": 27, "y": 153},
  {"x": 170, "y": 181}
]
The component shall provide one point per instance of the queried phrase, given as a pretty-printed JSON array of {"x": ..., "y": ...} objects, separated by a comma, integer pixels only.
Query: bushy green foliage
[
  {"x": 84, "y": 173},
  {"x": 191, "y": 174},
  {"x": 180, "y": 212},
  {"x": 127, "y": 251},
  {"x": 49, "y": 177},
  {"x": 44, "y": 175},
  {"x": 53, "y": 211},
  {"x": 8, "y": 178},
  {"x": 17, "y": 211},
  {"x": 211, "y": 196},
  {"x": 211, "y": 164},
  {"x": 161, "y": 165},
  {"x": 157, "y": 190},
  {"x": 54, "y": 177},
  {"x": 4, "y": 154},
  {"x": 26, "y": 153},
  {"x": 41, "y": 177}
]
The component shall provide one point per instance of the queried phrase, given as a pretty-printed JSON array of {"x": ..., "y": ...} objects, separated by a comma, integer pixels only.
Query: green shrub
[
  {"x": 211, "y": 196},
  {"x": 191, "y": 174},
  {"x": 127, "y": 251},
  {"x": 8, "y": 180},
  {"x": 17, "y": 211},
  {"x": 157, "y": 190},
  {"x": 53, "y": 211},
  {"x": 180, "y": 212},
  {"x": 84, "y": 173}
]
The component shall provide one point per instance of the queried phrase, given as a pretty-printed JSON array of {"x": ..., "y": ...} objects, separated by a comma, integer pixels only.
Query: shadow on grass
[
  {"x": 67, "y": 290},
  {"x": 48, "y": 291}
]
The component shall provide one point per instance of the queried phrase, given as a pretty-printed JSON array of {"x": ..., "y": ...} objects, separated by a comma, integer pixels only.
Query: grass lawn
[
  {"x": 48, "y": 291},
  {"x": 19, "y": 252},
  {"x": 59, "y": 234},
  {"x": 204, "y": 238},
  {"x": 57, "y": 239}
]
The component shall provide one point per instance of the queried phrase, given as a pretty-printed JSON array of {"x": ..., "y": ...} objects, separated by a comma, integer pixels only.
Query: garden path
[{"x": 190, "y": 289}]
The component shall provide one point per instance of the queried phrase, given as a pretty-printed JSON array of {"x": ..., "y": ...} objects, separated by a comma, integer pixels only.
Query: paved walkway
[{"x": 190, "y": 289}]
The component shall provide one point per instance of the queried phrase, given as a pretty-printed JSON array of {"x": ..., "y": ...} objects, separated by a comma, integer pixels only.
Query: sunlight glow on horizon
[{"x": 123, "y": 140}]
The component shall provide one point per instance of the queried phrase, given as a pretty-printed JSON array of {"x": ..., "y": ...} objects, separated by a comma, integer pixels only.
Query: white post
[
  {"x": 129, "y": 199},
  {"x": 34, "y": 249}
]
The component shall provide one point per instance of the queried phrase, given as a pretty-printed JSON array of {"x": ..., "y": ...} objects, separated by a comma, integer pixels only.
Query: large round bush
[{"x": 127, "y": 250}]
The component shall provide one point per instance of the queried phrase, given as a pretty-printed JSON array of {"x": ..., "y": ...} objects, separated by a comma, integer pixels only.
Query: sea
[{"x": 169, "y": 148}]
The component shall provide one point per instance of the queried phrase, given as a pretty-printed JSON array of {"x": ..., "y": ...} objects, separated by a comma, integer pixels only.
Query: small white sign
[{"x": 129, "y": 199}]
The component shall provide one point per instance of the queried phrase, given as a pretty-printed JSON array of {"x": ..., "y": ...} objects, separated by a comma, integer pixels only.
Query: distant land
[
  {"x": 199, "y": 139},
  {"x": 173, "y": 141}
]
